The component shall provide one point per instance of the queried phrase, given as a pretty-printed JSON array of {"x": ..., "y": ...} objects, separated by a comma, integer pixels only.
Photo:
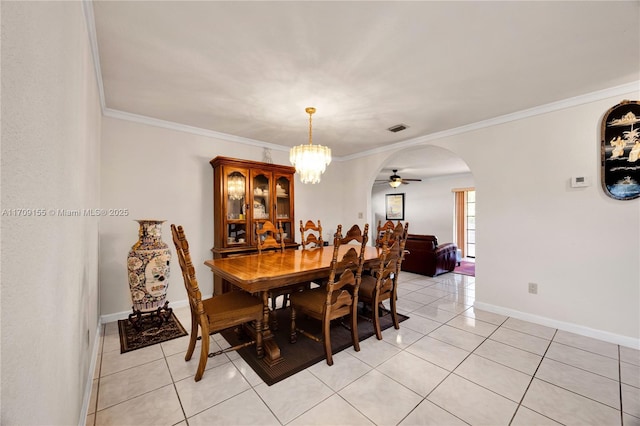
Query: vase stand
[{"x": 158, "y": 316}]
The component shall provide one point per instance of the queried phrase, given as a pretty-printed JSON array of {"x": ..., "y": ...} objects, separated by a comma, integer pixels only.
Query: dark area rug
[
  {"x": 305, "y": 352},
  {"x": 466, "y": 268},
  {"x": 149, "y": 334}
]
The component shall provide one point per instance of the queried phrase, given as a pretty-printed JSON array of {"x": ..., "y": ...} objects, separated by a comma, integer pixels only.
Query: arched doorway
[{"x": 429, "y": 205}]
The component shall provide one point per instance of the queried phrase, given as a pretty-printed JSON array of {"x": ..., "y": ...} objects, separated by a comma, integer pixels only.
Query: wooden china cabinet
[{"x": 245, "y": 195}]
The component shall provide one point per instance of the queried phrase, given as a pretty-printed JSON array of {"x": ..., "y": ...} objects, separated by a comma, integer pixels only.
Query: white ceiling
[{"x": 249, "y": 69}]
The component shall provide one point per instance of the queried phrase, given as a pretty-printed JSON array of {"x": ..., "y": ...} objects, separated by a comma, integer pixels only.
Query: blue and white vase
[{"x": 148, "y": 267}]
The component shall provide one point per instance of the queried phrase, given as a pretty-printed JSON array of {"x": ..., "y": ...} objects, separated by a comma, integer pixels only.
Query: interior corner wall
[
  {"x": 429, "y": 205},
  {"x": 580, "y": 246},
  {"x": 50, "y": 166}
]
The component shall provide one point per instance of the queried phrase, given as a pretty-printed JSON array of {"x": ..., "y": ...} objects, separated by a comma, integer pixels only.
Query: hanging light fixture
[{"x": 310, "y": 160}]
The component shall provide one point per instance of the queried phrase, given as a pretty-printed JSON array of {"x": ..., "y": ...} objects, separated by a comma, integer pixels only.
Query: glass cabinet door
[
  {"x": 236, "y": 206},
  {"x": 283, "y": 205},
  {"x": 260, "y": 196}
]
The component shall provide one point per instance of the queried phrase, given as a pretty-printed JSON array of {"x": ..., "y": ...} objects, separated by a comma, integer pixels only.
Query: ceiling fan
[{"x": 395, "y": 180}]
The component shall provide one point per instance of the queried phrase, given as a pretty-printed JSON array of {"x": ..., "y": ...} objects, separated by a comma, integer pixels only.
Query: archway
[{"x": 429, "y": 205}]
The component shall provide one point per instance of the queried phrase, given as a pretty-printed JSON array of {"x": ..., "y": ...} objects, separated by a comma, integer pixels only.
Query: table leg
[{"x": 271, "y": 349}]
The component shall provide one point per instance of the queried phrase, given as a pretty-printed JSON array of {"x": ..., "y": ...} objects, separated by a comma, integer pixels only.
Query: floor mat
[{"x": 305, "y": 352}]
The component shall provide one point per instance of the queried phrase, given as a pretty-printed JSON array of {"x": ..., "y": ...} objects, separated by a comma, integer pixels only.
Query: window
[
  {"x": 470, "y": 221},
  {"x": 465, "y": 221}
]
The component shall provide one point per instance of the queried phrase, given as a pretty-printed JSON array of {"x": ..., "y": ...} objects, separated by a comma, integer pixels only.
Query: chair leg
[
  {"x": 204, "y": 355},
  {"x": 192, "y": 339},
  {"x": 293, "y": 336},
  {"x": 354, "y": 328},
  {"x": 272, "y": 312},
  {"x": 394, "y": 313},
  {"x": 376, "y": 318},
  {"x": 326, "y": 334}
]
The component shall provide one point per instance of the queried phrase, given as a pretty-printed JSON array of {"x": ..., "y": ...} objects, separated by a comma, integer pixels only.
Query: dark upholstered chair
[{"x": 425, "y": 256}]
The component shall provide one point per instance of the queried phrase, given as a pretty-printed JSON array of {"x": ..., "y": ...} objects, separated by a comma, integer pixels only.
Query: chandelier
[
  {"x": 235, "y": 186},
  {"x": 310, "y": 160}
]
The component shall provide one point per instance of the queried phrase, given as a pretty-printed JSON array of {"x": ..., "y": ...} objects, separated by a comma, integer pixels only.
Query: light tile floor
[{"x": 449, "y": 364}]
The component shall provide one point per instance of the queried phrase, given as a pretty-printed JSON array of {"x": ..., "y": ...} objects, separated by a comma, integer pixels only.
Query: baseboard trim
[
  {"x": 606, "y": 336},
  {"x": 107, "y": 318},
  {"x": 88, "y": 386}
]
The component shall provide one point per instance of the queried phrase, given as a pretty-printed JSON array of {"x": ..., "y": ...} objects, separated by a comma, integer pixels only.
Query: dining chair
[
  {"x": 338, "y": 298},
  {"x": 354, "y": 234},
  {"x": 382, "y": 284},
  {"x": 311, "y": 235},
  {"x": 383, "y": 228},
  {"x": 217, "y": 313},
  {"x": 269, "y": 237}
]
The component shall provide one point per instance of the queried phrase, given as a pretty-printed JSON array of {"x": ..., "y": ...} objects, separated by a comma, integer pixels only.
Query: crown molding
[
  {"x": 519, "y": 115},
  {"x": 515, "y": 116},
  {"x": 143, "y": 119}
]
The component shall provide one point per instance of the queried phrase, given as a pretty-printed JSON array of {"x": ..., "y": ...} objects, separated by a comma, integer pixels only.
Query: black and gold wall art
[{"x": 620, "y": 151}]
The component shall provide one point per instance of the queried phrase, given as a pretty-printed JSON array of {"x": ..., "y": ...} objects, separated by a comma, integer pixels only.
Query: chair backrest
[
  {"x": 382, "y": 229},
  {"x": 389, "y": 264},
  {"x": 355, "y": 234},
  {"x": 401, "y": 236},
  {"x": 268, "y": 236},
  {"x": 398, "y": 231},
  {"x": 308, "y": 234},
  {"x": 188, "y": 271},
  {"x": 350, "y": 264}
]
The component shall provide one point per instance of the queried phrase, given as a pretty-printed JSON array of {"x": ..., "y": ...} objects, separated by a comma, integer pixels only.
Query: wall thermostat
[{"x": 580, "y": 181}]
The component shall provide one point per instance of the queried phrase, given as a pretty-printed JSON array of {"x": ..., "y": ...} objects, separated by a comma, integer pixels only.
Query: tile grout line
[
  {"x": 452, "y": 371},
  {"x": 620, "y": 387},
  {"x": 533, "y": 376},
  {"x": 173, "y": 382}
]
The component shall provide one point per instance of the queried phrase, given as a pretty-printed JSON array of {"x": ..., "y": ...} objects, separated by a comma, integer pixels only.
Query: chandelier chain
[{"x": 310, "y": 111}]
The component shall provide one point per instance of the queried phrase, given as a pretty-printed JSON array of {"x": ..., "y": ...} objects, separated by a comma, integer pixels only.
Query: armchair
[{"x": 426, "y": 257}]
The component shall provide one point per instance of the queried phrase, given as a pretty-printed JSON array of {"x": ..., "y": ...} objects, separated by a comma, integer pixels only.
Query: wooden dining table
[{"x": 260, "y": 273}]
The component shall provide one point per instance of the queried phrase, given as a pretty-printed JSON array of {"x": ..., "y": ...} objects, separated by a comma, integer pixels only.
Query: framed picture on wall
[
  {"x": 620, "y": 151},
  {"x": 394, "y": 206}
]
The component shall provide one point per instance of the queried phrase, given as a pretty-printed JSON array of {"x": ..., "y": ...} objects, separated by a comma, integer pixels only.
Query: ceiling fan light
[{"x": 395, "y": 183}]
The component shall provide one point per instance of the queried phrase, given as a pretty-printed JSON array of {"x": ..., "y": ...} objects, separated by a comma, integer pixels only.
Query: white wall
[
  {"x": 50, "y": 160},
  {"x": 581, "y": 247},
  {"x": 165, "y": 174}
]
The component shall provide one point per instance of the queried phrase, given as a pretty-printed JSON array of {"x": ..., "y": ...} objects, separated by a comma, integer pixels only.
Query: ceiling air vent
[{"x": 397, "y": 128}]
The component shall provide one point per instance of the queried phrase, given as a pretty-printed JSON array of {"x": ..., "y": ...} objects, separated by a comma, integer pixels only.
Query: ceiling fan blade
[{"x": 412, "y": 180}]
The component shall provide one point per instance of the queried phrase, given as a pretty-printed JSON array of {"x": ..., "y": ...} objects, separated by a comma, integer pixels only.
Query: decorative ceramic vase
[{"x": 148, "y": 266}]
